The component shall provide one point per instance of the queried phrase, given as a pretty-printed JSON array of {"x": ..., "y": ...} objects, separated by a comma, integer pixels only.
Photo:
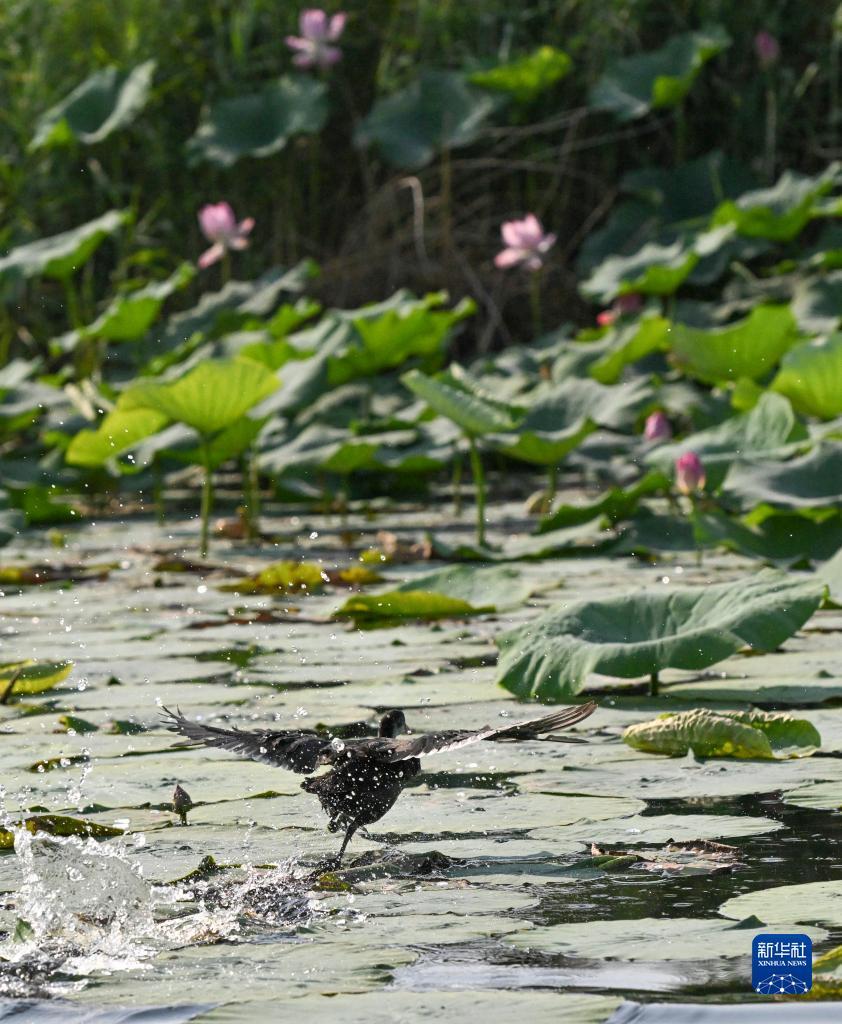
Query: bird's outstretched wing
[
  {"x": 452, "y": 739},
  {"x": 296, "y": 749}
]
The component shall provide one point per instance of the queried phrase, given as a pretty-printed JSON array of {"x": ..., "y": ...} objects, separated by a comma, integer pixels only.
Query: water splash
[{"x": 84, "y": 908}]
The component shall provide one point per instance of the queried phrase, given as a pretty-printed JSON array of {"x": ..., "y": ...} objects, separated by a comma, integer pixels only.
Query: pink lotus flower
[
  {"x": 689, "y": 473},
  {"x": 318, "y": 31},
  {"x": 219, "y": 225},
  {"x": 623, "y": 304},
  {"x": 526, "y": 243},
  {"x": 657, "y": 427},
  {"x": 767, "y": 48}
]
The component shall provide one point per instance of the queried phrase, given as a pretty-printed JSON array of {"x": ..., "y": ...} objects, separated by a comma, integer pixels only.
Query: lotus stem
[
  {"x": 457, "y": 485},
  {"x": 535, "y": 301},
  {"x": 71, "y": 300},
  {"x": 680, "y": 134},
  {"x": 771, "y": 132},
  {"x": 654, "y": 684},
  {"x": 207, "y": 502},
  {"x": 479, "y": 484},
  {"x": 225, "y": 267},
  {"x": 253, "y": 494}
]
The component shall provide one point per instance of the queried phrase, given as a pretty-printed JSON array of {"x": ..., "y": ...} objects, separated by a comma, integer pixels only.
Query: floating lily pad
[
  {"x": 31, "y": 677},
  {"x": 648, "y": 938},
  {"x": 59, "y": 825},
  {"x": 499, "y": 587},
  {"x": 749, "y": 734},
  {"x": 281, "y": 578},
  {"x": 808, "y": 903},
  {"x": 261, "y": 123},
  {"x": 106, "y": 101},
  {"x": 367, "y": 610}
]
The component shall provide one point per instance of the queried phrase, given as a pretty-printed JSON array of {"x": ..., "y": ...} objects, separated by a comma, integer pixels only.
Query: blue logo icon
[{"x": 781, "y": 964}]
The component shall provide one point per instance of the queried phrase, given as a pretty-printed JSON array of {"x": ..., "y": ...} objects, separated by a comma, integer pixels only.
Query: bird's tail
[{"x": 563, "y": 719}]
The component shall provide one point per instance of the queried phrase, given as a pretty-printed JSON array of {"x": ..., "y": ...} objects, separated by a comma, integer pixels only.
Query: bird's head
[{"x": 393, "y": 723}]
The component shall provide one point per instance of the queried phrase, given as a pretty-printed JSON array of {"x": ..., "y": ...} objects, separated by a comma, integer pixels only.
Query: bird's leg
[{"x": 352, "y": 828}]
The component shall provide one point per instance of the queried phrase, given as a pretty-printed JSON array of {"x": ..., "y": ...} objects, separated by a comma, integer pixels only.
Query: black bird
[
  {"x": 181, "y": 803},
  {"x": 367, "y": 775}
]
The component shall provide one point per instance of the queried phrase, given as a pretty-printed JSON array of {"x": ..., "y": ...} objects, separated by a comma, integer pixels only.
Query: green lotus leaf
[
  {"x": 831, "y": 573},
  {"x": 526, "y": 78},
  {"x": 438, "y": 111},
  {"x": 31, "y": 677},
  {"x": 748, "y": 349},
  {"x": 616, "y": 504},
  {"x": 811, "y": 377},
  {"x": 118, "y": 432},
  {"x": 762, "y": 432},
  {"x": 208, "y": 398},
  {"x": 627, "y": 344},
  {"x": 369, "y": 610},
  {"x": 781, "y": 212},
  {"x": 653, "y": 270},
  {"x": 59, "y": 825},
  {"x": 633, "y": 86},
  {"x": 261, "y": 123},
  {"x": 60, "y": 255},
  {"x": 388, "y": 340},
  {"x": 641, "y": 634},
  {"x": 281, "y": 578},
  {"x": 461, "y": 401},
  {"x": 811, "y": 481},
  {"x": 109, "y": 99},
  {"x": 743, "y": 734},
  {"x": 499, "y": 587}
]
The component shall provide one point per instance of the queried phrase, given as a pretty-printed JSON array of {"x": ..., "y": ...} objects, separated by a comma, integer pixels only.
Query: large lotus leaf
[
  {"x": 759, "y": 433},
  {"x": 261, "y": 123},
  {"x": 527, "y": 77},
  {"x": 60, "y": 255},
  {"x": 745, "y": 734},
  {"x": 653, "y": 270},
  {"x": 811, "y": 377},
  {"x": 643, "y": 633},
  {"x": 388, "y": 340},
  {"x": 499, "y": 587},
  {"x": 438, "y": 111},
  {"x": 109, "y": 99},
  {"x": 456, "y": 399},
  {"x": 544, "y": 447},
  {"x": 747, "y": 349},
  {"x": 811, "y": 481},
  {"x": 808, "y": 903},
  {"x": 633, "y": 86},
  {"x": 121, "y": 430},
  {"x": 780, "y": 538},
  {"x": 781, "y": 212},
  {"x": 626, "y": 344},
  {"x": 208, "y": 398}
]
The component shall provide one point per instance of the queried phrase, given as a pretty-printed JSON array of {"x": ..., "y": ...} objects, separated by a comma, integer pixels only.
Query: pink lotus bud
[
  {"x": 767, "y": 48},
  {"x": 606, "y": 317},
  {"x": 657, "y": 427},
  {"x": 526, "y": 243},
  {"x": 689, "y": 473}
]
